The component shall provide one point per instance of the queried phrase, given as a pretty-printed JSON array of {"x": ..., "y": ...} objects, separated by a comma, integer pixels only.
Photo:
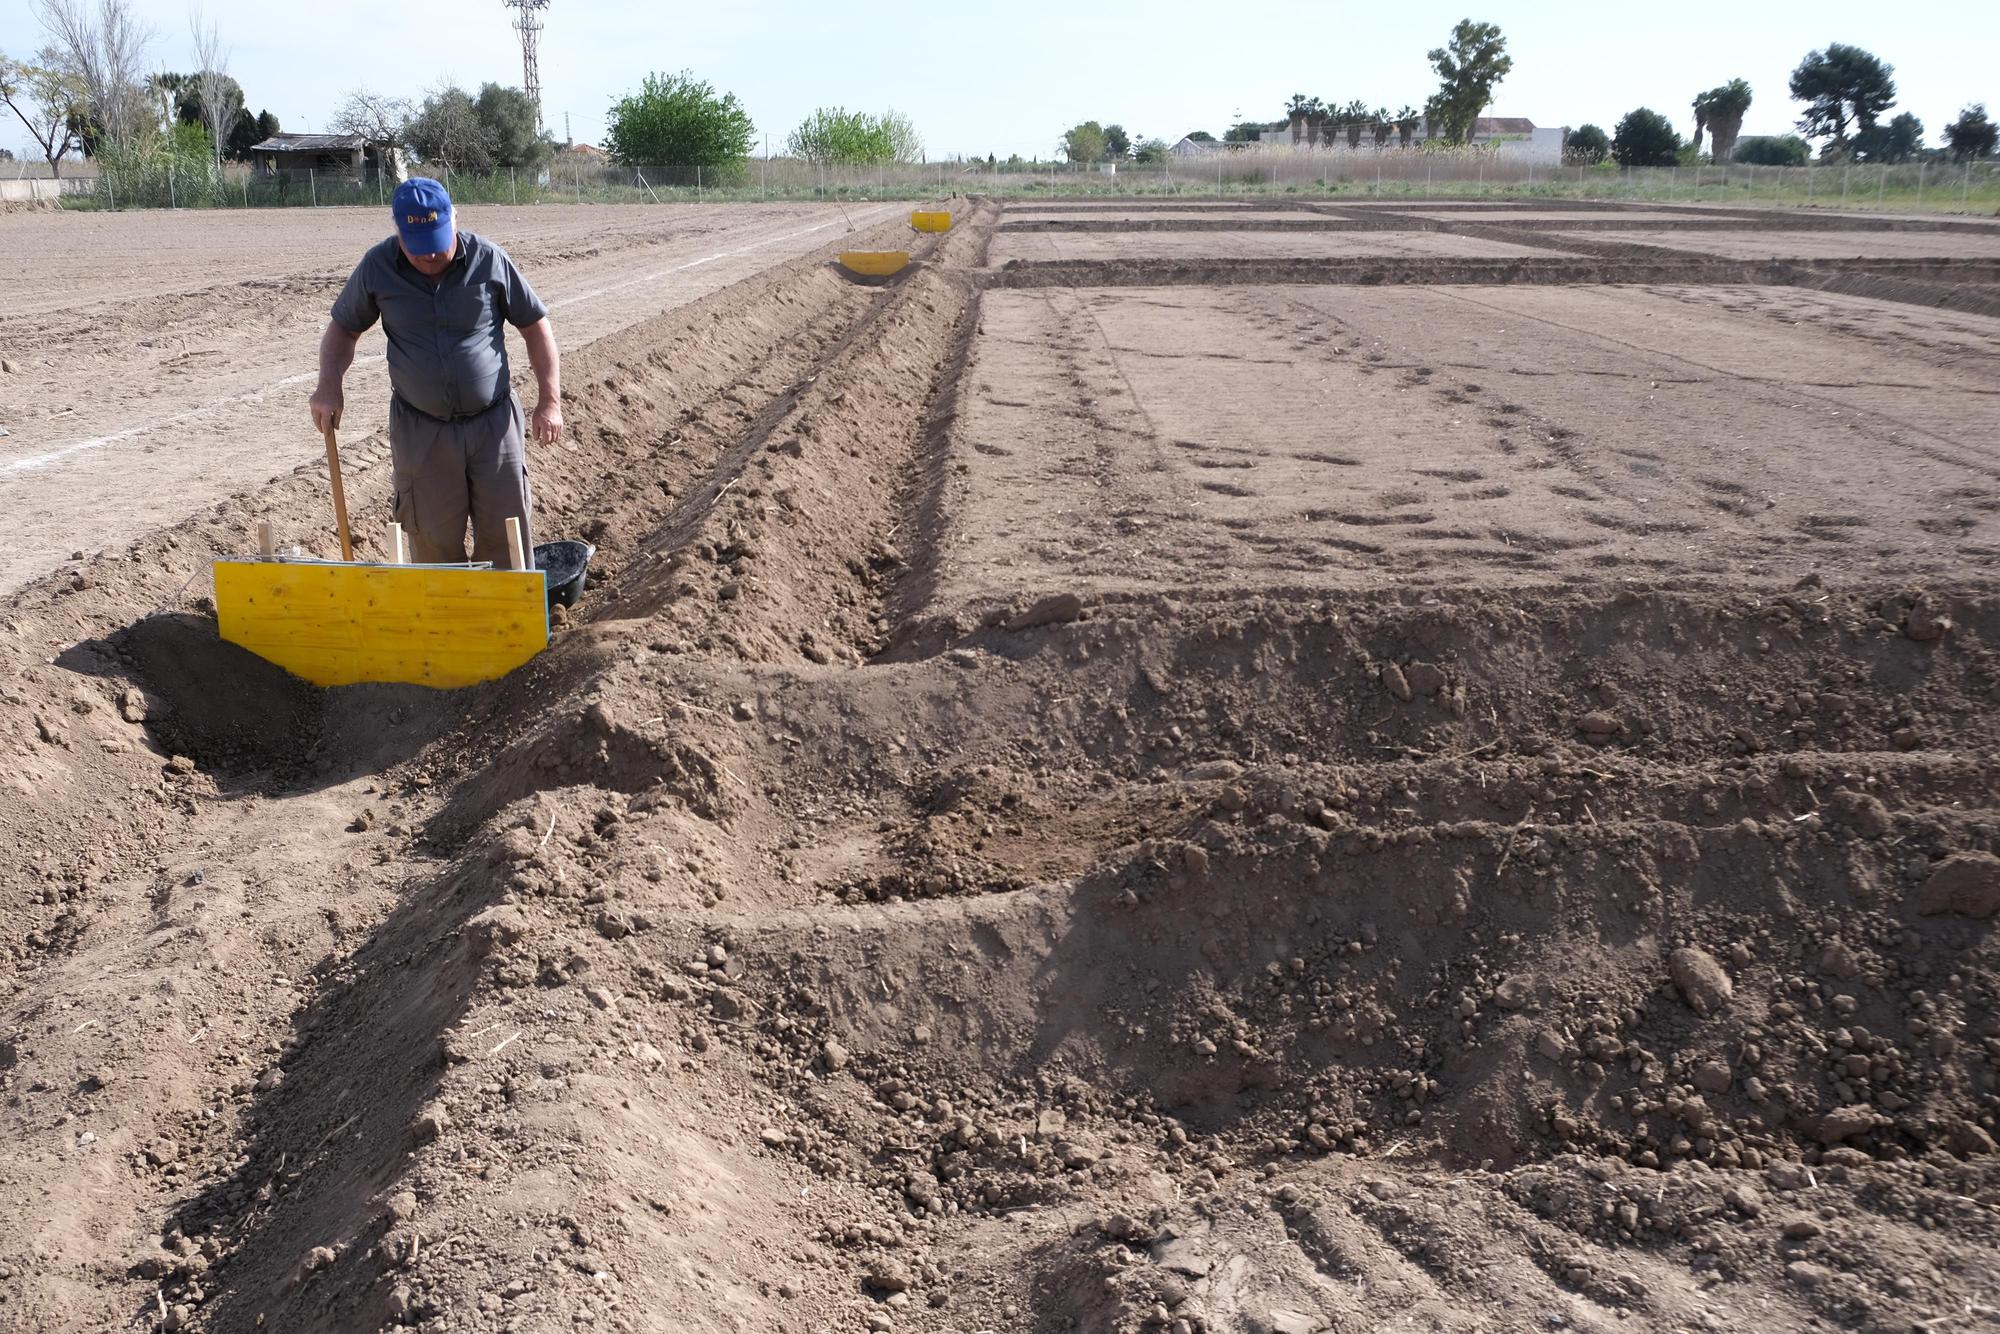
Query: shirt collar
[{"x": 466, "y": 242}]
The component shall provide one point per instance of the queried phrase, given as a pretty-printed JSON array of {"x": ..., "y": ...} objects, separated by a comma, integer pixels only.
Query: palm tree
[
  {"x": 1295, "y": 111},
  {"x": 1315, "y": 122},
  {"x": 1406, "y": 122},
  {"x": 1355, "y": 114},
  {"x": 1383, "y": 126},
  {"x": 1720, "y": 111}
]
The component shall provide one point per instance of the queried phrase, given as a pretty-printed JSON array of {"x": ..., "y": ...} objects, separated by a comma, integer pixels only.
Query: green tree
[
  {"x": 1383, "y": 124},
  {"x": 248, "y": 132},
  {"x": 189, "y": 146},
  {"x": 1720, "y": 111},
  {"x": 1117, "y": 143},
  {"x": 1842, "y": 85},
  {"x": 1897, "y": 141},
  {"x": 1151, "y": 151},
  {"x": 1773, "y": 150},
  {"x": 1407, "y": 119},
  {"x": 164, "y": 91},
  {"x": 1244, "y": 132},
  {"x": 1645, "y": 138},
  {"x": 905, "y": 144},
  {"x": 509, "y": 119},
  {"x": 678, "y": 120},
  {"x": 46, "y": 99},
  {"x": 1468, "y": 67},
  {"x": 1200, "y": 136},
  {"x": 1355, "y": 117},
  {"x": 446, "y": 133},
  {"x": 1972, "y": 135},
  {"x": 1084, "y": 143},
  {"x": 837, "y": 136},
  {"x": 1586, "y": 146}
]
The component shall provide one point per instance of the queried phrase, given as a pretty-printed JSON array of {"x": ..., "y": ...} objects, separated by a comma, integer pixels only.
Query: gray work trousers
[{"x": 448, "y": 472}]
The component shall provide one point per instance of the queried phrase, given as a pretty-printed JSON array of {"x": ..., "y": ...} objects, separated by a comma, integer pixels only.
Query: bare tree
[
  {"x": 372, "y": 116},
  {"x": 104, "y": 48},
  {"x": 221, "y": 97}
]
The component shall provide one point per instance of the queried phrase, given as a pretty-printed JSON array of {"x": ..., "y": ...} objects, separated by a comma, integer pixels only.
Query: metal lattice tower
[{"x": 529, "y": 25}]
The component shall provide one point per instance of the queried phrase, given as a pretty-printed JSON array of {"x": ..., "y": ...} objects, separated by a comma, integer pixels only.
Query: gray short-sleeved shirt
[{"x": 447, "y": 349}]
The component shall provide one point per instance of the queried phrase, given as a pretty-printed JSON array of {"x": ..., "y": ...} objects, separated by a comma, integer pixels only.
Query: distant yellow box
[
  {"x": 874, "y": 263},
  {"x": 337, "y": 624},
  {"x": 930, "y": 222}
]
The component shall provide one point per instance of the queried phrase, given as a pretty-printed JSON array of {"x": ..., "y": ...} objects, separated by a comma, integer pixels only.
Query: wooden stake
[
  {"x": 398, "y": 554},
  {"x": 339, "y": 496},
  {"x": 267, "y": 539},
  {"x": 515, "y": 550}
]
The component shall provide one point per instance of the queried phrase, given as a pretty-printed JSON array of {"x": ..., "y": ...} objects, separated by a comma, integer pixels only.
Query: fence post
[
  {"x": 513, "y": 187},
  {"x": 170, "y": 184},
  {"x": 1846, "y": 170},
  {"x": 1965, "y": 195},
  {"x": 697, "y": 180},
  {"x": 1882, "y": 184},
  {"x": 1921, "y": 168},
  {"x": 246, "y": 189},
  {"x": 312, "y": 183}
]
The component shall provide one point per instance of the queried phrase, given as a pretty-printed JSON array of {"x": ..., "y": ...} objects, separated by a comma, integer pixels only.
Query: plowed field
[{"x": 1396, "y": 767}]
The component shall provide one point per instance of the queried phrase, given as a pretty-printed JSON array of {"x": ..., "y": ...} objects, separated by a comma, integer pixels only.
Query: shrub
[
  {"x": 1586, "y": 146},
  {"x": 1773, "y": 150},
  {"x": 1645, "y": 138},
  {"x": 678, "y": 120}
]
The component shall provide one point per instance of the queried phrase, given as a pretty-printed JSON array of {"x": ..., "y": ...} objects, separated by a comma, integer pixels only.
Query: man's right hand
[{"x": 326, "y": 405}]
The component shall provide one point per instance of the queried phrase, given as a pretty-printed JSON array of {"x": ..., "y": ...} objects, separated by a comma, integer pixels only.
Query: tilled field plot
[
  {"x": 1010, "y": 246},
  {"x": 1825, "y": 245},
  {"x": 1085, "y": 794}
]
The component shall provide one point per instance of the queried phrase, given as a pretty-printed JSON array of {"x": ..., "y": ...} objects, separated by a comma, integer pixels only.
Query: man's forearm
[
  {"x": 336, "y": 354},
  {"x": 540, "y": 340}
]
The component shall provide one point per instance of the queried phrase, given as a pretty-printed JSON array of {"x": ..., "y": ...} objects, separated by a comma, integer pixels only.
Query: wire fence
[{"x": 1926, "y": 186}]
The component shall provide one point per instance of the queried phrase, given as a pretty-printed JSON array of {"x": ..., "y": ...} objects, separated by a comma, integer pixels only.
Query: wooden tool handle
[{"x": 339, "y": 495}]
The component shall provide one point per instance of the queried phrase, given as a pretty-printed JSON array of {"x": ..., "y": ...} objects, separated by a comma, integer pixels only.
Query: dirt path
[{"x": 163, "y": 360}]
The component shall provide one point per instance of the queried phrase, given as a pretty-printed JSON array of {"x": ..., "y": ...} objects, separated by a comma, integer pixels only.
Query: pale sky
[{"x": 977, "y": 81}]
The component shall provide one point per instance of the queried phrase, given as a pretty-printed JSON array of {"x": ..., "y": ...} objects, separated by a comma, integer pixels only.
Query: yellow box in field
[
  {"x": 930, "y": 222},
  {"x": 874, "y": 263},
  {"x": 337, "y": 624}
]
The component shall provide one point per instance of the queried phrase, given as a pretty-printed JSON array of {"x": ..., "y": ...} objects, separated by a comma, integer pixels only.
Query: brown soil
[
  {"x": 1151, "y": 245},
  {"x": 1218, "y": 808},
  {"x": 162, "y": 360}
]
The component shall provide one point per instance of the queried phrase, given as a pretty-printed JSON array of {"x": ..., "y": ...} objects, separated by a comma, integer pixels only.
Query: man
[{"x": 455, "y": 428}]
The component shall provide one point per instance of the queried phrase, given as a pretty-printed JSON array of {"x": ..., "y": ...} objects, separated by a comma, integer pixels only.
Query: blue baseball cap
[{"x": 423, "y": 216}]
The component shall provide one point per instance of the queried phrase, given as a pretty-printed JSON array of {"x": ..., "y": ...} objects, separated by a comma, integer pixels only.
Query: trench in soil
[{"x": 1041, "y": 751}]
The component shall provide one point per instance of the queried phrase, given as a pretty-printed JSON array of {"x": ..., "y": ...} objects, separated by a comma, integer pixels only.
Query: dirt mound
[{"x": 222, "y": 706}]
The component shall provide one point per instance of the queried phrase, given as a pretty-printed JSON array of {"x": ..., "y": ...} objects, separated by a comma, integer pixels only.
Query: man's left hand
[{"x": 546, "y": 425}]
